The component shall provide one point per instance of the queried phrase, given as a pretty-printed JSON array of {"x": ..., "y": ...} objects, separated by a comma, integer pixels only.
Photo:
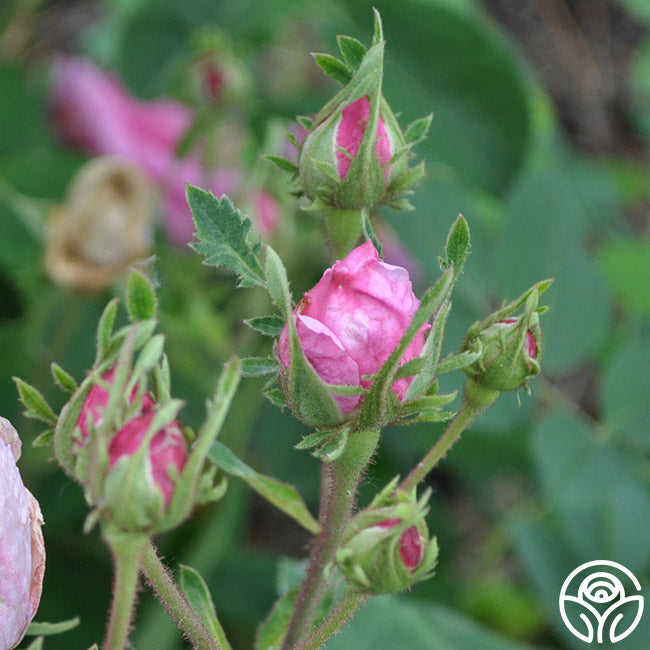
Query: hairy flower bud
[
  {"x": 22, "y": 552},
  {"x": 351, "y": 321},
  {"x": 511, "y": 353},
  {"x": 139, "y": 486},
  {"x": 95, "y": 403},
  {"x": 386, "y": 547}
]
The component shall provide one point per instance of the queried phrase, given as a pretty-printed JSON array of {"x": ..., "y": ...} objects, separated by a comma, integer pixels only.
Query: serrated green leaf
[
  {"x": 283, "y": 163},
  {"x": 36, "y": 405},
  {"x": 333, "y": 67},
  {"x": 458, "y": 242},
  {"x": 272, "y": 631},
  {"x": 62, "y": 379},
  {"x": 222, "y": 236},
  {"x": 198, "y": 595},
  {"x": 256, "y": 366},
  {"x": 48, "y": 629},
  {"x": 352, "y": 51},
  {"x": 418, "y": 129},
  {"x": 271, "y": 325},
  {"x": 105, "y": 330},
  {"x": 141, "y": 302},
  {"x": 282, "y": 495}
]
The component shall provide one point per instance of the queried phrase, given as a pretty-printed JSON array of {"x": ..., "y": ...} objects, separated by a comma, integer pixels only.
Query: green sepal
[
  {"x": 457, "y": 247},
  {"x": 36, "y": 406},
  {"x": 306, "y": 393},
  {"x": 352, "y": 51},
  {"x": 283, "y": 163},
  {"x": 333, "y": 67},
  {"x": 411, "y": 368},
  {"x": 369, "y": 232},
  {"x": 141, "y": 302},
  {"x": 283, "y": 496},
  {"x": 257, "y": 366},
  {"x": 418, "y": 129},
  {"x": 375, "y": 411},
  {"x": 458, "y": 361},
  {"x": 276, "y": 397},
  {"x": 222, "y": 236},
  {"x": 271, "y": 325},
  {"x": 326, "y": 445},
  {"x": 105, "y": 330},
  {"x": 190, "y": 481},
  {"x": 62, "y": 379},
  {"x": 305, "y": 122},
  {"x": 44, "y": 439}
]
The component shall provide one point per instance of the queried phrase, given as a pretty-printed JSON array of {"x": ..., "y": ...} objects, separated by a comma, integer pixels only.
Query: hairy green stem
[
  {"x": 475, "y": 400},
  {"x": 341, "y": 480},
  {"x": 127, "y": 549},
  {"x": 177, "y": 606},
  {"x": 343, "y": 612},
  {"x": 343, "y": 230}
]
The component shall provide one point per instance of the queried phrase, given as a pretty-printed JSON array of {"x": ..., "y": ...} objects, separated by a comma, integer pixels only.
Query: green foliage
[
  {"x": 222, "y": 236},
  {"x": 141, "y": 302}
]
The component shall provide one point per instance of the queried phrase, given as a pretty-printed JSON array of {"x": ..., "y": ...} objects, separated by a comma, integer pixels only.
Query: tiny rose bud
[
  {"x": 139, "y": 487},
  {"x": 387, "y": 549},
  {"x": 21, "y": 542},
  {"x": 351, "y": 321},
  {"x": 95, "y": 403},
  {"x": 511, "y": 353}
]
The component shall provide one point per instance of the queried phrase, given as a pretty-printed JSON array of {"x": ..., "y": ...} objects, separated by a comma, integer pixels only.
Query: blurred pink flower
[
  {"x": 167, "y": 452},
  {"x": 266, "y": 212},
  {"x": 95, "y": 112},
  {"x": 22, "y": 552},
  {"x": 351, "y": 321}
]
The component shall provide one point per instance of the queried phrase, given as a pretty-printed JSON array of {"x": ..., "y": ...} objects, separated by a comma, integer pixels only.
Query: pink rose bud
[
  {"x": 351, "y": 321},
  {"x": 93, "y": 407},
  {"x": 22, "y": 552},
  {"x": 352, "y": 127},
  {"x": 410, "y": 543},
  {"x": 167, "y": 452}
]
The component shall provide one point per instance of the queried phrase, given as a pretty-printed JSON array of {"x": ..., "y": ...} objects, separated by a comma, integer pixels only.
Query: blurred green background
[{"x": 540, "y": 138}]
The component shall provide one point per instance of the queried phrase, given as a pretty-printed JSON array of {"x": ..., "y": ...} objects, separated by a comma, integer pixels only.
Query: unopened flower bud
[
  {"x": 22, "y": 557},
  {"x": 386, "y": 548},
  {"x": 511, "y": 353},
  {"x": 95, "y": 403},
  {"x": 139, "y": 486}
]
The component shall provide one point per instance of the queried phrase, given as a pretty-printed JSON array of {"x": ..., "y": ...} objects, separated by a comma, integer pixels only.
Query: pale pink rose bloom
[
  {"x": 22, "y": 552},
  {"x": 350, "y": 132},
  {"x": 168, "y": 450},
  {"x": 351, "y": 321},
  {"x": 95, "y": 112}
]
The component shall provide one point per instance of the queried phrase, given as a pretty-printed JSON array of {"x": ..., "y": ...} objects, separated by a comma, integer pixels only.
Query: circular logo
[{"x": 600, "y": 601}]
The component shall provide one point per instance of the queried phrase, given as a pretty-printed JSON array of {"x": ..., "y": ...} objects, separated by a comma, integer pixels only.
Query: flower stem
[
  {"x": 127, "y": 550},
  {"x": 343, "y": 230},
  {"x": 344, "y": 611},
  {"x": 177, "y": 606},
  {"x": 475, "y": 400},
  {"x": 341, "y": 480}
]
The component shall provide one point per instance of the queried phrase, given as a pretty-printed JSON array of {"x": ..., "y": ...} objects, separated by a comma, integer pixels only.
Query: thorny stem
[
  {"x": 341, "y": 480},
  {"x": 177, "y": 606},
  {"x": 476, "y": 400}
]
